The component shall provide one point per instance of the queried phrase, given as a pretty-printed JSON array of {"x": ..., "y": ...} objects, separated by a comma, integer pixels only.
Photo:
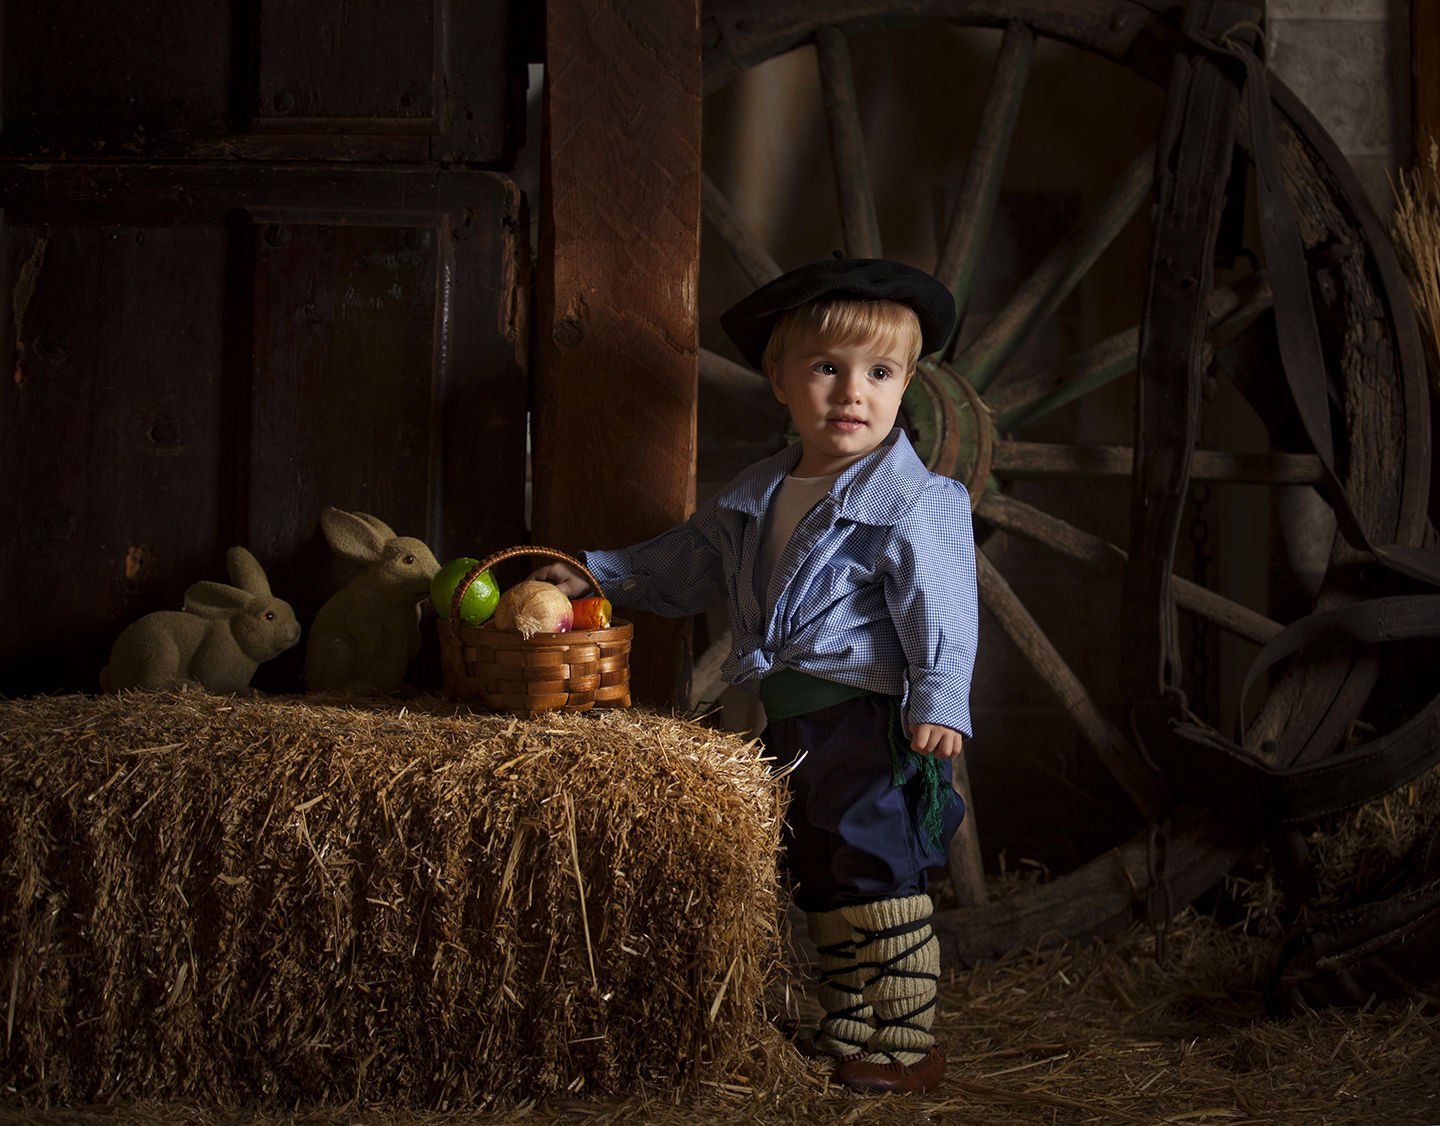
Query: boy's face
[{"x": 843, "y": 398}]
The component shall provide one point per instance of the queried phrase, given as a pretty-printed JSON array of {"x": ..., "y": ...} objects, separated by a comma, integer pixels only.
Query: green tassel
[{"x": 937, "y": 790}]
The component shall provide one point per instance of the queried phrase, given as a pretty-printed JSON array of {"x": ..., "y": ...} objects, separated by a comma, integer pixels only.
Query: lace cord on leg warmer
[
  {"x": 898, "y": 958},
  {"x": 845, "y": 1026}
]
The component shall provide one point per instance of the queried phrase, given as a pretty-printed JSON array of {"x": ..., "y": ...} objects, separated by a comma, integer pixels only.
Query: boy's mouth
[{"x": 847, "y": 422}]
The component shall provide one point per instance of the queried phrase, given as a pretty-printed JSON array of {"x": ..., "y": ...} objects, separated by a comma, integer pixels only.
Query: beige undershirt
[{"x": 794, "y": 497}]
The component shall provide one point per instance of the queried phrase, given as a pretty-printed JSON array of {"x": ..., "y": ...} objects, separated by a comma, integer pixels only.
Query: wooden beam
[
  {"x": 616, "y": 346},
  {"x": 1425, "y": 77}
]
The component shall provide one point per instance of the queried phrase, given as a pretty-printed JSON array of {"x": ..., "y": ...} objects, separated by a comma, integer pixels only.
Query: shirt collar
[
  {"x": 879, "y": 489},
  {"x": 883, "y": 488}
]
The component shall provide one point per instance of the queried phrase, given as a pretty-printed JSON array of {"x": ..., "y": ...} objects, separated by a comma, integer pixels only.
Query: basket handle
[{"x": 485, "y": 564}]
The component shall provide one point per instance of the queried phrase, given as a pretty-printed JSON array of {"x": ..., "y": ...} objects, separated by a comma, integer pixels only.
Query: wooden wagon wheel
[{"x": 973, "y": 411}]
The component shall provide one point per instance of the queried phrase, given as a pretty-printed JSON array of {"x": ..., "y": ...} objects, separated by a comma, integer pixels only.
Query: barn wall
[{"x": 1348, "y": 60}]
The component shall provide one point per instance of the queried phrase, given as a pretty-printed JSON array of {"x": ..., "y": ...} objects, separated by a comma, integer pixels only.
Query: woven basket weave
[{"x": 570, "y": 671}]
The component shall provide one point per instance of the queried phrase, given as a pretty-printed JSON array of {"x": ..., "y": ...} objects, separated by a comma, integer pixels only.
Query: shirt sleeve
[
  {"x": 932, "y": 599},
  {"x": 676, "y": 574}
]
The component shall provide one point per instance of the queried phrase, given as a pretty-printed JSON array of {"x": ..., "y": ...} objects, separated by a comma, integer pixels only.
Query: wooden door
[{"x": 253, "y": 265}]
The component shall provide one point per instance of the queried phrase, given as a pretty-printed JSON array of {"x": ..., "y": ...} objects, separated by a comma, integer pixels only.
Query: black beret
[{"x": 750, "y": 321}]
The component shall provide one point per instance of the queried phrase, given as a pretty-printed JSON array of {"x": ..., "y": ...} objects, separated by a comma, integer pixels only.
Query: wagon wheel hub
[{"x": 950, "y": 426}]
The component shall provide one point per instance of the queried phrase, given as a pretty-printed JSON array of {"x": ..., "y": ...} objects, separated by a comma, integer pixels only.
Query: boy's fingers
[{"x": 931, "y": 739}]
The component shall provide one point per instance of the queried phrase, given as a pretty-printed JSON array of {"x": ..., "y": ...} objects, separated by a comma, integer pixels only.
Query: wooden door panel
[
  {"x": 112, "y": 441},
  {"x": 323, "y": 65},
  {"x": 207, "y": 357},
  {"x": 106, "y": 79},
  {"x": 342, "y": 370},
  {"x": 406, "y": 80}
]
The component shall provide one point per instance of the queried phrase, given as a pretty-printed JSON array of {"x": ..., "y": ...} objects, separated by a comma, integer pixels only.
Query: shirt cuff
[{"x": 938, "y": 697}]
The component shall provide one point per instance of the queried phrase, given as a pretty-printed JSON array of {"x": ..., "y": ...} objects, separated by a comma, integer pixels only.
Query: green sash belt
[{"x": 788, "y": 693}]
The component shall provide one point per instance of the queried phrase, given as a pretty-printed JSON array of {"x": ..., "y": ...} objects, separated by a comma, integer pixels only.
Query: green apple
[{"x": 480, "y": 597}]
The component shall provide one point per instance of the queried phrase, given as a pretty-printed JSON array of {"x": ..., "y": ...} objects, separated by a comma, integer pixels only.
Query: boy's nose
[{"x": 847, "y": 387}]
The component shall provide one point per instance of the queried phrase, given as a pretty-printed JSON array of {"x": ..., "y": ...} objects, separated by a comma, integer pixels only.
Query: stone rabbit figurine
[
  {"x": 365, "y": 636},
  {"x": 216, "y": 642}
]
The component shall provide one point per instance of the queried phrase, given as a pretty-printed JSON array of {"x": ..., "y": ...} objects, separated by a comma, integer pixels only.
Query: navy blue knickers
[{"x": 851, "y": 835}]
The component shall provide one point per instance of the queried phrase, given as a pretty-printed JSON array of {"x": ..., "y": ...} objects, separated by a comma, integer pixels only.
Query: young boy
[{"x": 848, "y": 570}]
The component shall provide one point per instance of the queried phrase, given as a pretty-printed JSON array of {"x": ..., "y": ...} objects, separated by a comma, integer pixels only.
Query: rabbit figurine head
[
  {"x": 365, "y": 636},
  {"x": 216, "y": 642}
]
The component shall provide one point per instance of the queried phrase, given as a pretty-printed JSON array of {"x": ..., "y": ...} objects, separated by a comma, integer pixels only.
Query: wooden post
[
  {"x": 616, "y": 348},
  {"x": 1424, "y": 77},
  {"x": 1424, "y": 132}
]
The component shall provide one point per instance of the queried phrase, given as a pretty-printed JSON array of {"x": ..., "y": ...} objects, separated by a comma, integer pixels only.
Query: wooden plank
[
  {"x": 323, "y": 66},
  {"x": 616, "y": 363},
  {"x": 1425, "y": 77},
  {"x": 112, "y": 440},
  {"x": 412, "y": 80},
  {"x": 1425, "y": 141}
]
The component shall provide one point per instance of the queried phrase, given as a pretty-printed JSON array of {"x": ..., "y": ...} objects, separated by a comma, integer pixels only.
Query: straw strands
[
  {"x": 1079, "y": 1034},
  {"x": 1415, "y": 227},
  {"x": 272, "y": 902}
]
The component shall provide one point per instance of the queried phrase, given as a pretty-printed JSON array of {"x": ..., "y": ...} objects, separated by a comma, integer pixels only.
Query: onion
[{"x": 534, "y": 607}]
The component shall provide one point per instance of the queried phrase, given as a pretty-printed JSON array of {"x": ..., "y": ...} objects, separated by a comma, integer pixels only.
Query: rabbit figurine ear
[
  {"x": 214, "y": 600},
  {"x": 245, "y": 571},
  {"x": 386, "y": 532},
  {"x": 353, "y": 534}
]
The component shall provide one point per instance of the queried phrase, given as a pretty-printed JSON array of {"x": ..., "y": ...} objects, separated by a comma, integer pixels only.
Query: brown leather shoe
[{"x": 916, "y": 1078}]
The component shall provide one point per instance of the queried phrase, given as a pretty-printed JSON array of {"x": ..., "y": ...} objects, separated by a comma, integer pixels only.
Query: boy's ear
[{"x": 775, "y": 386}]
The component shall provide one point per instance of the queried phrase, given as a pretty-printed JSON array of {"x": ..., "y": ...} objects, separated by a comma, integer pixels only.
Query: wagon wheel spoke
[
  {"x": 1116, "y": 753},
  {"x": 1025, "y": 397},
  {"x": 1013, "y": 460},
  {"x": 1056, "y": 277},
  {"x": 747, "y": 250},
  {"x": 847, "y": 145},
  {"x": 1105, "y": 559},
  {"x": 980, "y": 189},
  {"x": 733, "y": 380}
]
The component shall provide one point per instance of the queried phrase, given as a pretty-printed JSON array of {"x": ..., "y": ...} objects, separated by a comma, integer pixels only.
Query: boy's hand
[
  {"x": 933, "y": 739},
  {"x": 571, "y": 582}
]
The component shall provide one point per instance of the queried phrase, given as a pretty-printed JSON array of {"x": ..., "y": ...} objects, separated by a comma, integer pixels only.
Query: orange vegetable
[{"x": 591, "y": 613}]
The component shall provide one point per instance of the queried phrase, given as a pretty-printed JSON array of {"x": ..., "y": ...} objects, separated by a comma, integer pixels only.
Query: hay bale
[{"x": 253, "y": 902}]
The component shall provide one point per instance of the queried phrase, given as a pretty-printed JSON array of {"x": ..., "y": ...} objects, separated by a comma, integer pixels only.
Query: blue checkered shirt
[{"x": 875, "y": 589}]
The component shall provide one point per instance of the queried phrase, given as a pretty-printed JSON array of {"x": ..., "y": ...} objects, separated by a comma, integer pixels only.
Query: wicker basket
[{"x": 570, "y": 671}]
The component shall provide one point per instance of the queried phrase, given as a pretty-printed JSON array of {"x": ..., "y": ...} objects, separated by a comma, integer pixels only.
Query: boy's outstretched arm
[
  {"x": 571, "y": 582},
  {"x": 933, "y": 739}
]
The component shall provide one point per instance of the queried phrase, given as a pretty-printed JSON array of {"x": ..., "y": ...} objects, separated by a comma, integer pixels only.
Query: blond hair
[{"x": 847, "y": 321}]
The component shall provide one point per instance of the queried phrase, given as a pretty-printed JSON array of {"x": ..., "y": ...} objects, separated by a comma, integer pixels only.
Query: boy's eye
[
  {"x": 824, "y": 367},
  {"x": 880, "y": 373}
]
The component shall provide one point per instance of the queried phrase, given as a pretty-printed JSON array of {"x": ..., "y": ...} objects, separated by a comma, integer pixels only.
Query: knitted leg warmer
[
  {"x": 899, "y": 959},
  {"x": 845, "y": 1027}
]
